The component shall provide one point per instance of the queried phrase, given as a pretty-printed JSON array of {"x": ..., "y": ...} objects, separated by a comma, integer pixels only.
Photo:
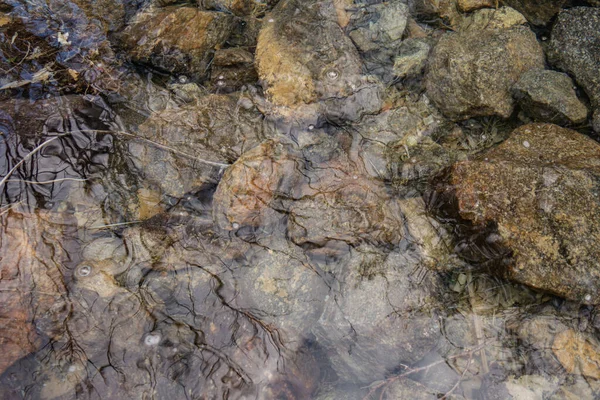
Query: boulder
[
  {"x": 303, "y": 57},
  {"x": 378, "y": 316},
  {"x": 178, "y": 40},
  {"x": 575, "y": 49},
  {"x": 231, "y": 69},
  {"x": 548, "y": 96},
  {"x": 530, "y": 210},
  {"x": 471, "y": 71}
]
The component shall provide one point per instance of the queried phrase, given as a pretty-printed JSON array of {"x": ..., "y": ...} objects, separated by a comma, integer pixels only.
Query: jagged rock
[
  {"x": 548, "y": 96},
  {"x": 537, "y": 12},
  {"x": 231, "y": 69},
  {"x": 379, "y": 316},
  {"x": 472, "y": 5},
  {"x": 532, "y": 205},
  {"x": 187, "y": 145},
  {"x": 471, "y": 71},
  {"x": 411, "y": 58},
  {"x": 238, "y": 7},
  {"x": 177, "y": 39},
  {"x": 575, "y": 49},
  {"x": 444, "y": 9},
  {"x": 578, "y": 353},
  {"x": 303, "y": 57}
]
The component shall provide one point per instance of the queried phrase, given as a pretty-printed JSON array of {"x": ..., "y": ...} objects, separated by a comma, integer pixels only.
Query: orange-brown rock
[
  {"x": 32, "y": 288},
  {"x": 578, "y": 352},
  {"x": 532, "y": 207}
]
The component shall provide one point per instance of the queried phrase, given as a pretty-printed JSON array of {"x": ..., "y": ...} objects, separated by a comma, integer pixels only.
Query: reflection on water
[{"x": 174, "y": 228}]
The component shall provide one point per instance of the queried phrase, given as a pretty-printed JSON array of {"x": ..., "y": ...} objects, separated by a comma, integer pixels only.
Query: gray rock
[
  {"x": 471, "y": 71},
  {"x": 411, "y": 58},
  {"x": 575, "y": 48},
  {"x": 374, "y": 26},
  {"x": 177, "y": 39},
  {"x": 548, "y": 96},
  {"x": 379, "y": 316}
]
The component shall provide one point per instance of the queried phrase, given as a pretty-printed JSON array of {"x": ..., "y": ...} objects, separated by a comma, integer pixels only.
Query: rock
[
  {"x": 246, "y": 194},
  {"x": 379, "y": 316},
  {"x": 471, "y": 71},
  {"x": 32, "y": 289},
  {"x": 237, "y": 7},
  {"x": 179, "y": 40},
  {"x": 377, "y": 31},
  {"x": 231, "y": 69},
  {"x": 411, "y": 58},
  {"x": 303, "y": 57},
  {"x": 447, "y": 10},
  {"x": 536, "y": 12},
  {"x": 472, "y": 5},
  {"x": 492, "y": 19},
  {"x": 192, "y": 144},
  {"x": 548, "y": 96},
  {"x": 531, "y": 204},
  {"x": 245, "y": 32},
  {"x": 378, "y": 25},
  {"x": 578, "y": 353},
  {"x": 574, "y": 49}
]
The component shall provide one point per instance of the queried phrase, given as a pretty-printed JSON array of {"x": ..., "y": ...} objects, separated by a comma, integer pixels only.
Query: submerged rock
[
  {"x": 578, "y": 353},
  {"x": 231, "y": 69},
  {"x": 412, "y": 58},
  {"x": 548, "y": 96},
  {"x": 303, "y": 57},
  {"x": 472, "y": 71},
  {"x": 190, "y": 145},
  {"x": 32, "y": 288},
  {"x": 379, "y": 316},
  {"x": 177, "y": 39},
  {"x": 532, "y": 205},
  {"x": 575, "y": 49}
]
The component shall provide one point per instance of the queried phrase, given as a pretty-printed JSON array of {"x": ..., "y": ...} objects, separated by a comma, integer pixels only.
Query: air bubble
[
  {"x": 220, "y": 83},
  {"x": 526, "y": 144},
  {"x": 152, "y": 339},
  {"x": 182, "y": 79},
  {"x": 84, "y": 270},
  {"x": 311, "y": 127},
  {"x": 588, "y": 297},
  {"x": 332, "y": 74},
  {"x": 235, "y": 225}
]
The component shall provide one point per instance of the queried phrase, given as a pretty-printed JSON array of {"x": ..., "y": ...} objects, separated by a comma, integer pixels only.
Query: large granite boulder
[
  {"x": 575, "y": 49},
  {"x": 529, "y": 209},
  {"x": 471, "y": 71}
]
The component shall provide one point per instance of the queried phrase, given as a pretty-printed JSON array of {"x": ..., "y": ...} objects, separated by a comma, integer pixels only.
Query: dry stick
[
  {"x": 424, "y": 368},
  {"x": 162, "y": 146},
  {"x": 25, "y": 158},
  {"x": 49, "y": 182}
]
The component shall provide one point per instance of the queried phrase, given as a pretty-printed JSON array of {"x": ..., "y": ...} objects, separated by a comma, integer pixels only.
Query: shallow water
[{"x": 198, "y": 235}]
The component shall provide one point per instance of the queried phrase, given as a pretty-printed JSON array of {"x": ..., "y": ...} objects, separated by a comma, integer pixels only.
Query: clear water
[{"x": 124, "y": 273}]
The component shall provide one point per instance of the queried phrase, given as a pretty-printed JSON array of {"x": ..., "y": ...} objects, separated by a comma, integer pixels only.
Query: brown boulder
[
  {"x": 177, "y": 39},
  {"x": 531, "y": 208}
]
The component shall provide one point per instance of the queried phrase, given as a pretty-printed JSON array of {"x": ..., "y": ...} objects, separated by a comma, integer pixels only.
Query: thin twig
[
  {"x": 424, "y": 368},
  {"x": 113, "y": 225},
  {"x": 48, "y": 182}
]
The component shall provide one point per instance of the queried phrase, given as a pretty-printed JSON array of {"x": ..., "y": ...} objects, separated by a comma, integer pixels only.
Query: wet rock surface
[
  {"x": 532, "y": 202},
  {"x": 548, "y": 96},
  {"x": 472, "y": 71},
  {"x": 247, "y": 199},
  {"x": 177, "y": 39},
  {"x": 574, "y": 49}
]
